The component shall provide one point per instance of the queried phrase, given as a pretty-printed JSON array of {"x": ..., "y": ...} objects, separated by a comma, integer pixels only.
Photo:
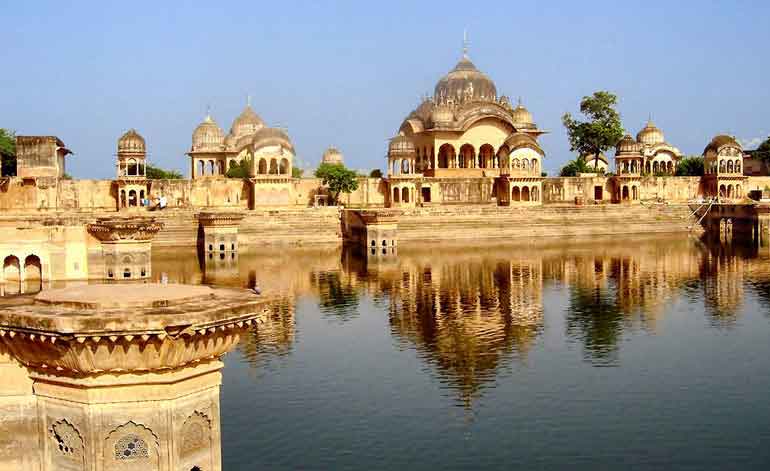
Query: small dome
[
  {"x": 520, "y": 140},
  {"x": 207, "y": 136},
  {"x": 332, "y": 156},
  {"x": 522, "y": 118},
  {"x": 131, "y": 142},
  {"x": 248, "y": 122},
  {"x": 722, "y": 141},
  {"x": 627, "y": 146},
  {"x": 266, "y": 137},
  {"x": 230, "y": 140},
  {"x": 465, "y": 80},
  {"x": 650, "y": 135},
  {"x": 401, "y": 146},
  {"x": 442, "y": 115}
]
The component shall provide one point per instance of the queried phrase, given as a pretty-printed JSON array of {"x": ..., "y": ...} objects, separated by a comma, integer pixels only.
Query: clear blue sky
[{"x": 347, "y": 73}]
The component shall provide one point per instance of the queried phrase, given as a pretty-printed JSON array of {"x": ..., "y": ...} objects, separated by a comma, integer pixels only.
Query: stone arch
[
  {"x": 535, "y": 194},
  {"x": 404, "y": 166},
  {"x": 722, "y": 191},
  {"x": 535, "y": 166},
  {"x": 201, "y": 167},
  {"x": 635, "y": 192},
  {"x": 729, "y": 166},
  {"x": 670, "y": 167},
  {"x": 131, "y": 167},
  {"x": 737, "y": 166},
  {"x": 211, "y": 167},
  {"x": 487, "y": 156},
  {"x": 396, "y": 195},
  {"x": 730, "y": 190},
  {"x": 132, "y": 446},
  {"x": 467, "y": 156},
  {"x": 132, "y": 198},
  {"x": 195, "y": 444},
  {"x": 405, "y": 195},
  {"x": 722, "y": 166},
  {"x": 446, "y": 156},
  {"x": 12, "y": 274},
  {"x": 738, "y": 191},
  {"x": 515, "y": 194},
  {"x": 273, "y": 167},
  {"x": 525, "y": 193},
  {"x": 624, "y": 194},
  {"x": 655, "y": 167},
  {"x": 68, "y": 445},
  {"x": 262, "y": 170},
  {"x": 33, "y": 274},
  {"x": 283, "y": 167},
  {"x": 502, "y": 156}
]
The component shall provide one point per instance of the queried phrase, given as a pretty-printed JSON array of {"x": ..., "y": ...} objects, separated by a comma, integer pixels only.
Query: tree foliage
[
  {"x": 575, "y": 167},
  {"x": 601, "y": 131},
  {"x": 763, "y": 151},
  {"x": 296, "y": 172},
  {"x": 8, "y": 152},
  {"x": 376, "y": 173},
  {"x": 338, "y": 178},
  {"x": 157, "y": 173},
  {"x": 691, "y": 166},
  {"x": 239, "y": 169}
]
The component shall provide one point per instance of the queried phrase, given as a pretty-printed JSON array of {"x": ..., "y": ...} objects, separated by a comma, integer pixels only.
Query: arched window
[
  {"x": 123, "y": 201},
  {"x": 729, "y": 166},
  {"x": 655, "y": 168},
  {"x": 722, "y": 166},
  {"x": 467, "y": 156},
  {"x": 132, "y": 198},
  {"x": 722, "y": 191},
  {"x": 737, "y": 166},
  {"x": 131, "y": 167},
  {"x": 396, "y": 195},
  {"x": 535, "y": 193},
  {"x": 738, "y": 192},
  {"x": 405, "y": 166},
  {"x": 535, "y": 166},
  {"x": 635, "y": 192},
  {"x": 201, "y": 168},
  {"x": 487, "y": 154},
  {"x": 211, "y": 167},
  {"x": 12, "y": 274},
  {"x": 624, "y": 195},
  {"x": 524, "y": 164},
  {"x": 525, "y": 193},
  {"x": 405, "y": 195},
  {"x": 515, "y": 194},
  {"x": 284, "y": 167},
  {"x": 273, "y": 167},
  {"x": 262, "y": 167}
]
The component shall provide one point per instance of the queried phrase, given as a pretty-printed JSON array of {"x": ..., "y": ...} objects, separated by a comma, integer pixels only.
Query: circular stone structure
[{"x": 116, "y": 368}]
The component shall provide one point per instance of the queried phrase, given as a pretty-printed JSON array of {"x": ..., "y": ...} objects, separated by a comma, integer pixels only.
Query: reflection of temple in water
[
  {"x": 467, "y": 317},
  {"x": 722, "y": 275}
]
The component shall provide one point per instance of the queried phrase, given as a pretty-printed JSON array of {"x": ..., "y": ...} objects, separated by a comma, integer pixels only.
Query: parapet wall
[{"x": 672, "y": 189}]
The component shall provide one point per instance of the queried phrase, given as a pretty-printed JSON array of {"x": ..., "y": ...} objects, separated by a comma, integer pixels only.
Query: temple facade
[
  {"x": 465, "y": 144},
  {"x": 269, "y": 150}
]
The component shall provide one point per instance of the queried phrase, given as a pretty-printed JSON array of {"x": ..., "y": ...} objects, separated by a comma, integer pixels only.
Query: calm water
[{"x": 646, "y": 354}]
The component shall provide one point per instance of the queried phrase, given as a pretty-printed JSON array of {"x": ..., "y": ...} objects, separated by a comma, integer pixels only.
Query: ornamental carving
[
  {"x": 118, "y": 229},
  {"x": 196, "y": 433},
  {"x": 132, "y": 446},
  {"x": 68, "y": 448}
]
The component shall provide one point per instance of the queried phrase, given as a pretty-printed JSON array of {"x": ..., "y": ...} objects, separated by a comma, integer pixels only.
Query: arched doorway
[
  {"x": 467, "y": 156},
  {"x": 405, "y": 195},
  {"x": 273, "y": 167},
  {"x": 284, "y": 167},
  {"x": 396, "y": 195},
  {"x": 446, "y": 156},
  {"x": 525, "y": 193},
  {"x": 487, "y": 154},
  {"x": 635, "y": 192},
  {"x": 12, "y": 274},
  {"x": 624, "y": 195},
  {"x": 132, "y": 198},
  {"x": 262, "y": 167},
  {"x": 535, "y": 194},
  {"x": 516, "y": 194},
  {"x": 33, "y": 274}
]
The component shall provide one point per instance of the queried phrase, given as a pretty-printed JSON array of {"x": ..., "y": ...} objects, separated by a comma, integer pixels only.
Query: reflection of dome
[
  {"x": 332, "y": 156},
  {"x": 627, "y": 145},
  {"x": 131, "y": 142},
  {"x": 207, "y": 136},
  {"x": 246, "y": 123},
  {"x": 650, "y": 135},
  {"x": 401, "y": 145},
  {"x": 266, "y": 137},
  {"x": 465, "y": 77},
  {"x": 522, "y": 118},
  {"x": 442, "y": 115}
]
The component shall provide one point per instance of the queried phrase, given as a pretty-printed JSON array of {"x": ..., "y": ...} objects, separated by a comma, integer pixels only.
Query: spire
[
  {"x": 208, "y": 114},
  {"x": 248, "y": 101},
  {"x": 465, "y": 43}
]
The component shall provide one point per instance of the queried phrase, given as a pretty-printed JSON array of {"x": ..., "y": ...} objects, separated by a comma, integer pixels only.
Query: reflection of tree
[
  {"x": 337, "y": 298},
  {"x": 273, "y": 338},
  {"x": 595, "y": 319}
]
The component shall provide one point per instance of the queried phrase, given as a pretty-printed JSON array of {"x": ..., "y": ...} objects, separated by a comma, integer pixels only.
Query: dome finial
[
  {"x": 465, "y": 43},
  {"x": 248, "y": 100}
]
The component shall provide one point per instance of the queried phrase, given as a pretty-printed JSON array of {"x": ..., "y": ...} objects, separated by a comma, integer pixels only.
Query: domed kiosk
[
  {"x": 455, "y": 144},
  {"x": 131, "y": 170}
]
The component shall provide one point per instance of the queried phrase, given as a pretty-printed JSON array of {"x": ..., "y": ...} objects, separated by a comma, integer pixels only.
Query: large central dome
[{"x": 465, "y": 82}]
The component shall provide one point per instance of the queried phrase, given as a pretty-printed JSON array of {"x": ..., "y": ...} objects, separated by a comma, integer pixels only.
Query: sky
[{"x": 347, "y": 73}]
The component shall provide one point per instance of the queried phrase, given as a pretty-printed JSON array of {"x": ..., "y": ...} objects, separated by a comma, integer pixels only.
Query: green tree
[
  {"x": 296, "y": 172},
  {"x": 338, "y": 178},
  {"x": 691, "y": 166},
  {"x": 575, "y": 167},
  {"x": 239, "y": 169},
  {"x": 763, "y": 151},
  {"x": 8, "y": 152},
  {"x": 376, "y": 173},
  {"x": 157, "y": 173},
  {"x": 601, "y": 131}
]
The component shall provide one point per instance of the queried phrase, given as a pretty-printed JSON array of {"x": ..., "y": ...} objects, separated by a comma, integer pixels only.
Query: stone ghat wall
[
  {"x": 17, "y": 194},
  {"x": 492, "y": 223},
  {"x": 672, "y": 189},
  {"x": 260, "y": 227}
]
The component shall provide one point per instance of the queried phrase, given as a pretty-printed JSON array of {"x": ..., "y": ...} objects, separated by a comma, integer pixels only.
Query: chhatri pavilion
[
  {"x": 269, "y": 150},
  {"x": 465, "y": 144}
]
